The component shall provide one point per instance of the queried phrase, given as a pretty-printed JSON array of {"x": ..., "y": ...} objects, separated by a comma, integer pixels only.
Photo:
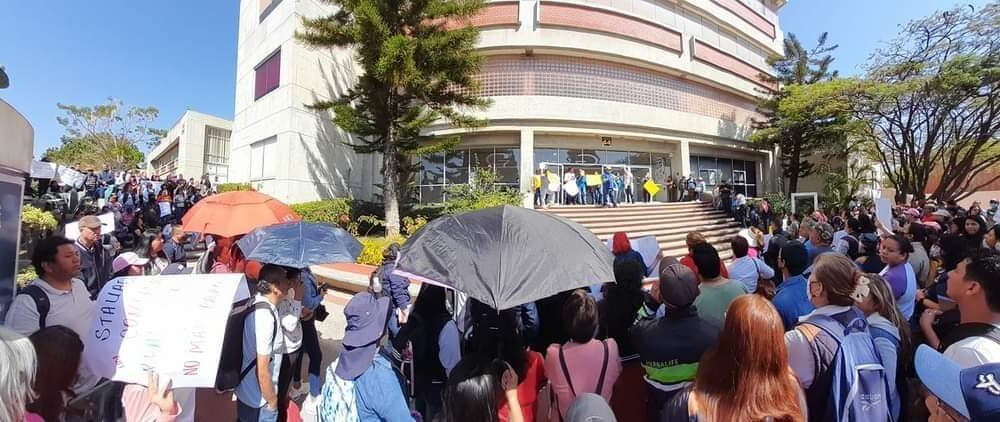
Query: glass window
[
  {"x": 432, "y": 169},
  {"x": 725, "y": 167},
  {"x": 546, "y": 155},
  {"x": 506, "y": 162},
  {"x": 639, "y": 158},
  {"x": 431, "y": 194},
  {"x": 267, "y": 75},
  {"x": 613, "y": 157},
  {"x": 265, "y": 7},
  {"x": 587, "y": 156},
  {"x": 262, "y": 158},
  {"x": 457, "y": 167}
]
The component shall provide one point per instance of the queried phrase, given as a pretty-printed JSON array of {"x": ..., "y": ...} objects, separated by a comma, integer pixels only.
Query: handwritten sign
[
  {"x": 883, "y": 213},
  {"x": 593, "y": 180},
  {"x": 72, "y": 230},
  {"x": 172, "y": 324},
  {"x": 648, "y": 247}
]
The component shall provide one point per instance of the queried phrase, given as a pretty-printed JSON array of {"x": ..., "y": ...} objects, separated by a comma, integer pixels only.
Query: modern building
[
  {"x": 662, "y": 88},
  {"x": 196, "y": 145}
]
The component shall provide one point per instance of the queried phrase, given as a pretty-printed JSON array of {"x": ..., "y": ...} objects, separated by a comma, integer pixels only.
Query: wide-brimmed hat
[
  {"x": 366, "y": 321},
  {"x": 974, "y": 392}
]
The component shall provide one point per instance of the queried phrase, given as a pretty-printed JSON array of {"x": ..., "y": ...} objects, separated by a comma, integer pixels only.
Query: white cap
[{"x": 125, "y": 260}]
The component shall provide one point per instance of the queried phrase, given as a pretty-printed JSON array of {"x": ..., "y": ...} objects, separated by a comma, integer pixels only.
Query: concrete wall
[{"x": 188, "y": 133}]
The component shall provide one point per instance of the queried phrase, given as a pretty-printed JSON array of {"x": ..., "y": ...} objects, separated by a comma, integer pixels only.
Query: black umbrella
[{"x": 506, "y": 256}]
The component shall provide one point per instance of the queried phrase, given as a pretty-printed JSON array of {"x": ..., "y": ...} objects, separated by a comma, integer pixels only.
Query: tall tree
[
  {"x": 419, "y": 62},
  {"x": 105, "y": 134},
  {"x": 931, "y": 99},
  {"x": 799, "y": 130}
]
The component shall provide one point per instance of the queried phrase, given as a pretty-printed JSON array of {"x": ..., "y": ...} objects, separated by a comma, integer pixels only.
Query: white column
[
  {"x": 527, "y": 166},
  {"x": 685, "y": 158}
]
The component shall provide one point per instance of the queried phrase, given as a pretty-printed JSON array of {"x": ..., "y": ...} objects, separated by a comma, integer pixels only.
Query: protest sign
[
  {"x": 72, "y": 230},
  {"x": 173, "y": 325},
  {"x": 883, "y": 212},
  {"x": 647, "y": 246},
  {"x": 593, "y": 180}
]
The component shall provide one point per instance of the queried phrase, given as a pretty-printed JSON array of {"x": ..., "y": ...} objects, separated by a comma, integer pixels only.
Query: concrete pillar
[
  {"x": 527, "y": 166},
  {"x": 685, "y": 158}
]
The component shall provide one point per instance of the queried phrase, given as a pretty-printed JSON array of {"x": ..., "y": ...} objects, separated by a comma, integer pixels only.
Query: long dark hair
[
  {"x": 497, "y": 335},
  {"x": 431, "y": 302},
  {"x": 59, "y": 350},
  {"x": 473, "y": 390}
]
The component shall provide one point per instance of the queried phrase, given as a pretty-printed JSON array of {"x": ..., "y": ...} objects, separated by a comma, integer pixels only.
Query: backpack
[
  {"x": 569, "y": 381},
  {"x": 970, "y": 329},
  {"x": 859, "y": 390},
  {"x": 853, "y": 246},
  {"x": 902, "y": 387},
  {"x": 41, "y": 302},
  {"x": 231, "y": 371}
]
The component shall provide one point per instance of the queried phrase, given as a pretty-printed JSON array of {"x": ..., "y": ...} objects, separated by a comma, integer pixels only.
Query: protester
[
  {"x": 589, "y": 407},
  {"x": 59, "y": 351},
  {"x": 716, "y": 291},
  {"x": 817, "y": 349},
  {"x": 263, "y": 344},
  {"x": 895, "y": 252},
  {"x": 621, "y": 247},
  {"x": 891, "y": 334},
  {"x": 436, "y": 348},
  {"x": 693, "y": 239},
  {"x": 671, "y": 347},
  {"x": 792, "y": 297},
  {"x": 974, "y": 231},
  {"x": 173, "y": 248},
  {"x": 805, "y": 233},
  {"x": 583, "y": 364},
  {"x": 290, "y": 313},
  {"x": 620, "y": 303},
  {"x": 745, "y": 376},
  {"x": 916, "y": 233},
  {"x": 396, "y": 287},
  {"x": 871, "y": 260},
  {"x": 361, "y": 384},
  {"x": 497, "y": 335},
  {"x": 95, "y": 260},
  {"x": 991, "y": 240},
  {"x": 312, "y": 300},
  {"x": 821, "y": 238},
  {"x": 846, "y": 241},
  {"x": 128, "y": 264},
  {"x": 939, "y": 324},
  {"x": 747, "y": 269},
  {"x": 975, "y": 286},
  {"x": 152, "y": 402},
  {"x": 17, "y": 377},
  {"x": 957, "y": 393},
  {"x": 474, "y": 392}
]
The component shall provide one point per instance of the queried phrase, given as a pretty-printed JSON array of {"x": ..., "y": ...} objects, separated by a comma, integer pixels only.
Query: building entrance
[{"x": 591, "y": 194}]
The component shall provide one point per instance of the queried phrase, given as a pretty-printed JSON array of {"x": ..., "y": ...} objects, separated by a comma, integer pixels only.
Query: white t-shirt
[
  {"x": 290, "y": 313},
  {"x": 260, "y": 325},
  {"x": 974, "y": 351}
]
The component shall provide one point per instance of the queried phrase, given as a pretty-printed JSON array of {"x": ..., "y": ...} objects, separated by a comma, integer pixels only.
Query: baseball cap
[
  {"x": 91, "y": 222},
  {"x": 974, "y": 392},
  {"x": 678, "y": 286},
  {"x": 125, "y": 260},
  {"x": 366, "y": 322}
]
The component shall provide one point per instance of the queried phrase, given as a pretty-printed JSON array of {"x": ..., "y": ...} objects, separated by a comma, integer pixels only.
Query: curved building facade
[{"x": 661, "y": 87}]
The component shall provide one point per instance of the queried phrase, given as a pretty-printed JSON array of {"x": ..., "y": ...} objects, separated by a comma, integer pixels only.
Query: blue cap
[
  {"x": 366, "y": 322},
  {"x": 974, "y": 392}
]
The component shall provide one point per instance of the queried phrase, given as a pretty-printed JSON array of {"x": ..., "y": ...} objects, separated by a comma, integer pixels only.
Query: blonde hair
[
  {"x": 885, "y": 305},
  {"x": 840, "y": 279},
  {"x": 694, "y": 238},
  {"x": 17, "y": 374}
]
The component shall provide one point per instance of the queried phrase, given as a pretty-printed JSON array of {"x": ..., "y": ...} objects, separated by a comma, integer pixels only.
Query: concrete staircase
[{"x": 669, "y": 222}]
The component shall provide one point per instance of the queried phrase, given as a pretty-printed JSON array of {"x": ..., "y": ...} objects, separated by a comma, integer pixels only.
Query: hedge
[
  {"x": 325, "y": 211},
  {"x": 233, "y": 187},
  {"x": 371, "y": 253}
]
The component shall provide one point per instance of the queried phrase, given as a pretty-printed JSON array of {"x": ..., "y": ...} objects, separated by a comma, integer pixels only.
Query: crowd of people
[
  {"x": 831, "y": 316},
  {"x": 608, "y": 187}
]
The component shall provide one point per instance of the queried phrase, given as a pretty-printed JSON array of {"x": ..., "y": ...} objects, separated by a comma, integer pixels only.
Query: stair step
[
  {"x": 590, "y": 211},
  {"x": 660, "y": 229},
  {"x": 652, "y": 218},
  {"x": 629, "y": 207}
]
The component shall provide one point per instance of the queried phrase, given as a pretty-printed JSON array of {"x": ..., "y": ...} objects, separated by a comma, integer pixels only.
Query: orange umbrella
[{"x": 236, "y": 213}]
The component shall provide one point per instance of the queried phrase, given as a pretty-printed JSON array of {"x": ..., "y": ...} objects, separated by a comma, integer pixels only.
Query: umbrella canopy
[
  {"x": 300, "y": 244},
  {"x": 235, "y": 213},
  {"x": 506, "y": 256}
]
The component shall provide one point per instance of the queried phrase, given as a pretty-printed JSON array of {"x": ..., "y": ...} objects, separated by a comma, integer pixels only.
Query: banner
[
  {"x": 883, "y": 213},
  {"x": 651, "y": 187},
  {"x": 72, "y": 230},
  {"x": 172, "y": 324},
  {"x": 593, "y": 180}
]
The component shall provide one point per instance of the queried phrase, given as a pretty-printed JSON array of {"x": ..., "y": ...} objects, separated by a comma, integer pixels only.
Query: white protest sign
[
  {"x": 883, "y": 213},
  {"x": 72, "y": 230},
  {"x": 647, "y": 246},
  {"x": 164, "y": 209},
  {"x": 172, "y": 324}
]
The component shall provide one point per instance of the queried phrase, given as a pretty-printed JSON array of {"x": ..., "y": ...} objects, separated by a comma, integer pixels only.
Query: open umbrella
[
  {"x": 506, "y": 256},
  {"x": 300, "y": 244},
  {"x": 234, "y": 213}
]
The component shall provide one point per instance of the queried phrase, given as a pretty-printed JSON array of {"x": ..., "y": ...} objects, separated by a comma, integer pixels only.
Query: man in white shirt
[
  {"x": 975, "y": 286},
  {"x": 57, "y": 263},
  {"x": 263, "y": 346},
  {"x": 747, "y": 269}
]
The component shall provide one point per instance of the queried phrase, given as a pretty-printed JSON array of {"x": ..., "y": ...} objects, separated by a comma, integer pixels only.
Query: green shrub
[
  {"x": 25, "y": 276},
  {"x": 33, "y": 218},
  {"x": 412, "y": 224},
  {"x": 234, "y": 187},
  {"x": 371, "y": 253},
  {"x": 325, "y": 211},
  {"x": 482, "y": 192}
]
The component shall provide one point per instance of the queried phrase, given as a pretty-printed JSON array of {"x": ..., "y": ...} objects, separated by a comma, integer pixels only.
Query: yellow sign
[
  {"x": 593, "y": 180},
  {"x": 536, "y": 181},
  {"x": 651, "y": 187}
]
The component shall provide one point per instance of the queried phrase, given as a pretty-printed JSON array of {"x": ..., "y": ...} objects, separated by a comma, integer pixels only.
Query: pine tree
[{"x": 419, "y": 62}]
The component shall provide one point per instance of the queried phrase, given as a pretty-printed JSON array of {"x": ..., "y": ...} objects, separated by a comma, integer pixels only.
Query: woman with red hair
[
  {"x": 746, "y": 376},
  {"x": 621, "y": 247}
]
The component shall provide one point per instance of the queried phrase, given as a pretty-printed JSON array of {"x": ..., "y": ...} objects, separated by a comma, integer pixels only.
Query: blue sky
[{"x": 181, "y": 54}]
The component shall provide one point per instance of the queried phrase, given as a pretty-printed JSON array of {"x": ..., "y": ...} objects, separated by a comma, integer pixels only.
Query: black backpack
[
  {"x": 971, "y": 329},
  {"x": 41, "y": 302},
  {"x": 853, "y": 247},
  {"x": 231, "y": 371}
]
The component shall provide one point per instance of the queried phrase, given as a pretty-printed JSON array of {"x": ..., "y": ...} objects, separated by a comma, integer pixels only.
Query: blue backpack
[{"x": 860, "y": 388}]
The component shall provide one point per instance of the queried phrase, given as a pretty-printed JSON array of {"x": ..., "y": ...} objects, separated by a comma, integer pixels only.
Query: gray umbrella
[
  {"x": 300, "y": 244},
  {"x": 506, "y": 256}
]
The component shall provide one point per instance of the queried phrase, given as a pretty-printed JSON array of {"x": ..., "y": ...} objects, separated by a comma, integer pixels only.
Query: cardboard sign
[
  {"x": 883, "y": 212},
  {"x": 72, "y": 230},
  {"x": 593, "y": 180},
  {"x": 172, "y": 324},
  {"x": 165, "y": 209},
  {"x": 651, "y": 187},
  {"x": 647, "y": 246}
]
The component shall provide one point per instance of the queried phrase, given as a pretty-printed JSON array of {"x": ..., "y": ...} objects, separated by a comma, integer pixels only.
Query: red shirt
[
  {"x": 527, "y": 390},
  {"x": 688, "y": 261}
]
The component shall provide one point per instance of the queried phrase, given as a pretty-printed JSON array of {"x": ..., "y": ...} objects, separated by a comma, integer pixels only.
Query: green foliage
[
  {"x": 25, "y": 276},
  {"x": 234, "y": 187},
  {"x": 106, "y": 134},
  {"x": 33, "y": 218},
  {"x": 371, "y": 253},
  {"x": 412, "y": 224},
  {"x": 418, "y": 66},
  {"x": 931, "y": 101},
  {"x": 780, "y": 203},
  {"x": 801, "y": 119},
  {"x": 482, "y": 192},
  {"x": 331, "y": 211}
]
